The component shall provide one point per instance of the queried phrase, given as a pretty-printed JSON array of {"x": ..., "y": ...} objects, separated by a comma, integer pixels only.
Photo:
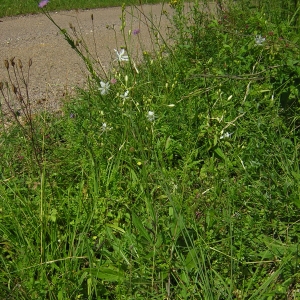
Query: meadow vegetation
[{"x": 176, "y": 178}]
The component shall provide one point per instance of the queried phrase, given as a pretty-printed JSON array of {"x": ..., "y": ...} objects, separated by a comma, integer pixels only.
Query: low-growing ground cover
[{"x": 174, "y": 179}]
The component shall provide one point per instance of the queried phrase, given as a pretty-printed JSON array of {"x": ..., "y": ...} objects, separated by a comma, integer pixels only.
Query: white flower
[
  {"x": 259, "y": 40},
  {"x": 150, "y": 116},
  {"x": 125, "y": 95},
  {"x": 104, "y": 88},
  {"x": 104, "y": 127},
  {"x": 226, "y": 135},
  {"x": 121, "y": 55}
]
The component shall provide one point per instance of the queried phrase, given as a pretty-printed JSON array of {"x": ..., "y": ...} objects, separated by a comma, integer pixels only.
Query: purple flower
[
  {"x": 136, "y": 31},
  {"x": 113, "y": 81},
  {"x": 43, "y": 3}
]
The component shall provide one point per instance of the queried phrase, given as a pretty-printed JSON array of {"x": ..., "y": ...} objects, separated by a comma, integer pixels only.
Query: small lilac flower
[
  {"x": 43, "y": 3},
  {"x": 104, "y": 88},
  {"x": 136, "y": 31},
  {"x": 72, "y": 116},
  {"x": 113, "y": 81},
  {"x": 150, "y": 116}
]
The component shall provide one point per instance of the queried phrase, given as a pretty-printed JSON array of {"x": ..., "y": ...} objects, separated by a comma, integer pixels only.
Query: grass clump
[{"x": 176, "y": 178}]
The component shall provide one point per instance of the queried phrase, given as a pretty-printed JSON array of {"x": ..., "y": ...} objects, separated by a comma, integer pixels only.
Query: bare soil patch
[{"x": 56, "y": 69}]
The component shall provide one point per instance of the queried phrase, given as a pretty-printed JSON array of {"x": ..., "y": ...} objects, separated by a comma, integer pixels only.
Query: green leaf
[
  {"x": 220, "y": 153},
  {"x": 108, "y": 274},
  {"x": 140, "y": 227},
  {"x": 191, "y": 259},
  {"x": 60, "y": 295},
  {"x": 168, "y": 142},
  {"x": 115, "y": 227},
  {"x": 171, "y": 211}
]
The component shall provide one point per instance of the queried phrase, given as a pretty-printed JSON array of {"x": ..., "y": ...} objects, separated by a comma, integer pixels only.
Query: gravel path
[{"x": 56, "y": 69}]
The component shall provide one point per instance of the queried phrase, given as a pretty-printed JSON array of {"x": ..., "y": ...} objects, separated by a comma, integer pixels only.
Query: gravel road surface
[{"x": 56, "y": 69}]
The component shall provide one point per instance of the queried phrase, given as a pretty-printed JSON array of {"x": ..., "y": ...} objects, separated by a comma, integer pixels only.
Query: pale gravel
[{"x": 57, "y": 70}]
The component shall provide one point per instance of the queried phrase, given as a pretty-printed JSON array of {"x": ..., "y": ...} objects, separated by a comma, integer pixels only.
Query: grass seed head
[
  {"x": 1, "y": 85},
  {"x": 12, "y": 61},
  {"x": 14, "y": 89},
  {"x": 20, "y": 64},
  {"x": 30, "y": 62},
  {"x": 6, "y": 64}
]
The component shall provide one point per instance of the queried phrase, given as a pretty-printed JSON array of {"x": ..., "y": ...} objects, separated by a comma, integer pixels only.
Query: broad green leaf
[
  {"x": 191, "y": 259},
  {"x": 108, "y": 273},
  {"x": 60, "y": 295},
  {"x": 115, "y": 227},
  {"x": 220, "y": 153},
  {"x": 140, "y": 227}
]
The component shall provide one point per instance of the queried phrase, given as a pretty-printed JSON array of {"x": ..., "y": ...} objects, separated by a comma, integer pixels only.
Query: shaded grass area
[
  {"x": 174, "y": 179},
  {"x": 18, "y": 7}
]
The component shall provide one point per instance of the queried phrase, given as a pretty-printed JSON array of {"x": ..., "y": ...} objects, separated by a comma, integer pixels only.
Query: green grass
[
  {"x": 187, "y": 188},
  {"x": 17, "y": 7}
]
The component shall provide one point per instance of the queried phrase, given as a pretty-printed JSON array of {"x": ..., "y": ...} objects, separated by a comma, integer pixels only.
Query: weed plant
[{"x": 176, "y": 178}]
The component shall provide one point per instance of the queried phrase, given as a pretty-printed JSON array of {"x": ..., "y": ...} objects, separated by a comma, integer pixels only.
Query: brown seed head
[
  {"x": 6, "y": 64},
  {"x": 92, "y": 17},
  {"x": 30, "y": 62},
  {"x": 20, "y": 98},
  {"x": 71, "y": 26},
  {"x": 12, "y": 61},
  {"x": 14, "y": 89},
  {"x": 20, "y": 64},
  {"x": 1, "y": 85}
]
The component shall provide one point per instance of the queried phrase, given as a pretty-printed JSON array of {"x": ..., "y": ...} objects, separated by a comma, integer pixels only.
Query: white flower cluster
[
  {"x": 259, "y": 40},
  {"x": 150, "y": 116},
  {"x": 105, "y": 89}
]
